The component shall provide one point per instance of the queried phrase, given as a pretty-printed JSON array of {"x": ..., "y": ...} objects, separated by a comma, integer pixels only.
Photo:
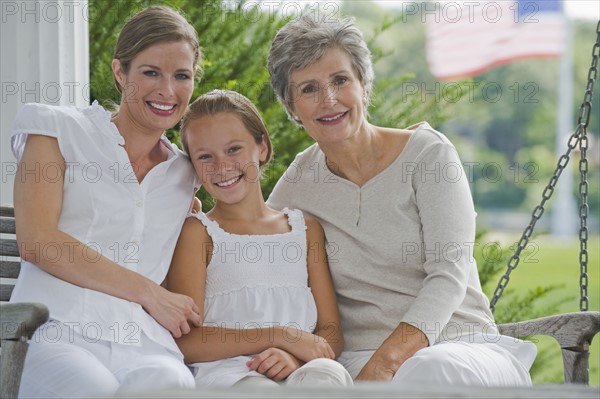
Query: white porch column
[{"x": 44, "y": 58}]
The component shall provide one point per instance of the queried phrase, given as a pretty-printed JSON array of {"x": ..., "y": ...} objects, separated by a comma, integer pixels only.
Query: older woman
[
  {"x": 97, "y": 237},
  {"x": 398, "y": 217}
]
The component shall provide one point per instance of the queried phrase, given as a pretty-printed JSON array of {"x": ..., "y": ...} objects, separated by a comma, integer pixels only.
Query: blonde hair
[
  {"x": 218, "y": 101},
  {"x": 155, "y": 24}
]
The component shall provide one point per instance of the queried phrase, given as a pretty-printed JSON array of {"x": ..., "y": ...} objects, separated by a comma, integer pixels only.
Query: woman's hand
[
  {"x": 196, "y": 205},
  {"x": 402, "y": 344},
  {"x": 173, "y": 311},
  {"x": 274, "y": 363},
  {"x": 304, "y": 345},
  {"x": 376, "y": 369}
]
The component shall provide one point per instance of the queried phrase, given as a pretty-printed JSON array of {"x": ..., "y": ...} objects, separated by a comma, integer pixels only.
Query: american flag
[{"x": 469, "y": 38}]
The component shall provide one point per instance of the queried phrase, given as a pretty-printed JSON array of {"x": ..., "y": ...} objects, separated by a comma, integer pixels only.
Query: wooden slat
[
  {"x": 6, "y": 210},
  {"x": 7, "y": 225},
  {"x": 10, "y": 269},
  {"x": 5, "y": 292},
  {"x": 8, "y": 247}
]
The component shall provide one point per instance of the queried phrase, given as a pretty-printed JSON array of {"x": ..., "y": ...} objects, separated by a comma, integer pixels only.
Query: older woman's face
[{"x": 328, "y": 98}]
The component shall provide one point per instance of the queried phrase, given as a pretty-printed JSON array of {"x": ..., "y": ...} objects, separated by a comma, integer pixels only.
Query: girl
[{"x": 260, "y": 276}]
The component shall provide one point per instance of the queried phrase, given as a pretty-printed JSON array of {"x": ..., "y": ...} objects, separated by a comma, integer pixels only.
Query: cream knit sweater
[{"x": 401, "y": 246}]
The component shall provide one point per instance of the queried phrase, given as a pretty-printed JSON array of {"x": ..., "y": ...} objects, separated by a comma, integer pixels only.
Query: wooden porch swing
[{"x": 573, "y": 331}]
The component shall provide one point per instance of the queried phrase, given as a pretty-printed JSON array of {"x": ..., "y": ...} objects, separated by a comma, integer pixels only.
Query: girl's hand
[
  {"x": 304, "y": 345},
  {"x": 274, "y": 363},
  {"x": 173, "y": 311}
]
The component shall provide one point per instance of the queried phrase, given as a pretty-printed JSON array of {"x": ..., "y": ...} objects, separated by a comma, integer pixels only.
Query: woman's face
[
  {"x": 158, "y": 86},
  {"x": 328, "y": 97},
  {"x": 225, "y": 156}
]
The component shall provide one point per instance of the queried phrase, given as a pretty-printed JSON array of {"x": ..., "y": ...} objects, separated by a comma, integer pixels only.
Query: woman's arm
[
  {"x": 38, "y": 204},
  {"x": 329, "y": 325},
  {"x": 447, "y": 220},
  {"x": 404, "y": 342}
]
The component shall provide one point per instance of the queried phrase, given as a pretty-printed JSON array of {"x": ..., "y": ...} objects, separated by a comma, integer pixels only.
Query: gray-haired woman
[{"x": 398, "y": 217}]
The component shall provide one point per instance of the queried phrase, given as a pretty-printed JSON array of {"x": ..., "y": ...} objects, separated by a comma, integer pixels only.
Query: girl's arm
[
  {"x": 187, "y": 276},
  {"x": 319, "y": 280},
  {"x": 38, "y": 204}
]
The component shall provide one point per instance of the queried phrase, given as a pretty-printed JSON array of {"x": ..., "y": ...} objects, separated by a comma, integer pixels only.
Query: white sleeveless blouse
[{"x": 254, "y": 281}]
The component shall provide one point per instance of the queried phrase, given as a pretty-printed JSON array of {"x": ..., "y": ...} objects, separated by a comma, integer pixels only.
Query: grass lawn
[{"x": 556, "y": 262}]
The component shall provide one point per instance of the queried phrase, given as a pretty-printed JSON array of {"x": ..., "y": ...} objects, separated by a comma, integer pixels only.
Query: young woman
[
  {"x": 97, "y": 237},
  {"x": 260, "y": 276}
]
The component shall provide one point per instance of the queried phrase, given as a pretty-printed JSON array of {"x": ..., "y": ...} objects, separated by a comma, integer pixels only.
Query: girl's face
[
  {"x": 158, "y": 85},
  {"x": 226, "y": 156},
  {"x": 329, "y": 98}
]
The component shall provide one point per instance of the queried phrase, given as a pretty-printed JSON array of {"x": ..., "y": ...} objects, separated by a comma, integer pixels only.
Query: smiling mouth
[
  {"x": 333, "y": 118},
  {"x": 161, "y": 106},
  {"x": 229, "y": 182}
]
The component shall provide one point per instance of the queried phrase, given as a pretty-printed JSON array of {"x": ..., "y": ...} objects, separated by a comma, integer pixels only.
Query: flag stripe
[{"x": 476, "y": 41}]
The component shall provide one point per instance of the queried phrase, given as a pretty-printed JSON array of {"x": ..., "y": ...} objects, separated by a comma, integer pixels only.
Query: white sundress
[{"x": 254, "y": 281}]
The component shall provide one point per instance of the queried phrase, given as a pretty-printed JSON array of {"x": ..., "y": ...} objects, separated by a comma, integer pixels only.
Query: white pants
[
  {"x": 318, "y": 372},
  {"x": 69, "y": 366},
  {"x": 468, "y": 361}
]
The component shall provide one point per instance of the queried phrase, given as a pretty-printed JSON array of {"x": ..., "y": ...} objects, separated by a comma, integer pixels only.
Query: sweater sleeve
[{"x": 447, "y": 216}]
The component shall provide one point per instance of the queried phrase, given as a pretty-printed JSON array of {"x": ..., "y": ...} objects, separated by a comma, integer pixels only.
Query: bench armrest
[
  {"x": 573, "y": 332},
  {"x": 18, "y": 322}
]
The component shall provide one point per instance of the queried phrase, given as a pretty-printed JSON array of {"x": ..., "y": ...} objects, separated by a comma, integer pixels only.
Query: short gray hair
[{"x": 303, "y": 41}]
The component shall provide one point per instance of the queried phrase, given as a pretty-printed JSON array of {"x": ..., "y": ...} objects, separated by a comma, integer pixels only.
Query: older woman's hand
[
  {"x": 404, "y": 342},
  {"x": 377, "y": 369}
]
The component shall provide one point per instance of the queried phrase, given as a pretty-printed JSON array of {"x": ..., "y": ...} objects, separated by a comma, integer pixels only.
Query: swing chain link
[
  {"x": 584, "y": 117},
  {"x": 579, "y": 137}
]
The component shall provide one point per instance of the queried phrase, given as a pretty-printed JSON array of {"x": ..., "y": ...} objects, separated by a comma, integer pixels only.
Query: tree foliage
[{"x": 506, "y": 117}]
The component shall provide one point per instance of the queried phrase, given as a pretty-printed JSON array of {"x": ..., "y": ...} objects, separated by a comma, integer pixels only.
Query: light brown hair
[
  {"x": 217, "y": 101},
  {"x": 153, "y": 25}
]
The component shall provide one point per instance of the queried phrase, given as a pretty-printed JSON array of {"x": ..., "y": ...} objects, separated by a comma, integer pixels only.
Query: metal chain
[
  {"x": 585, "y": 111},
  {"x": 579, "y": 137}
]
